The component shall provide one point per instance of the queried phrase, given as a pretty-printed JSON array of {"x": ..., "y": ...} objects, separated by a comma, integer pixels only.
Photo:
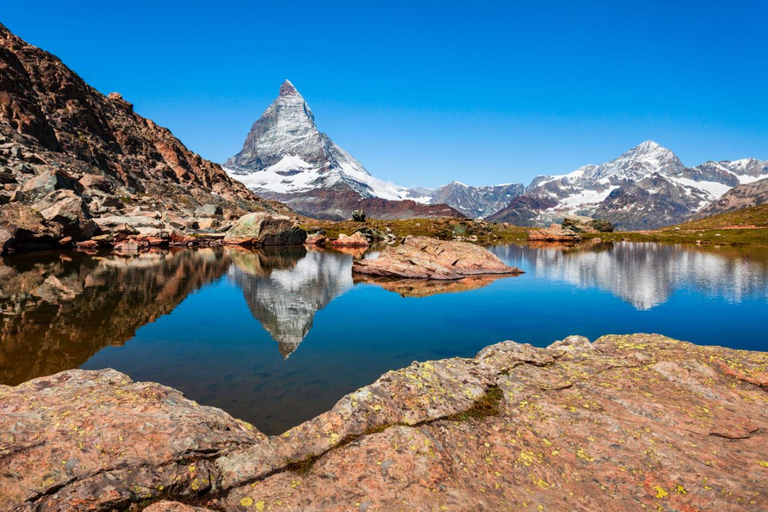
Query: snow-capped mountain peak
[{"x": 285, "y": 153}]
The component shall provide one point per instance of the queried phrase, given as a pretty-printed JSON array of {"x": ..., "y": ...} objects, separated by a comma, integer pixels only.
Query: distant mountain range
[
  {"x": 645, "y": 188},
  {"x": 286, "y": 157}
]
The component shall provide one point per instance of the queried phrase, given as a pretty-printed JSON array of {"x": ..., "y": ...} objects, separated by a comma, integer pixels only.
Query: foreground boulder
[
  {"x": 419, "y": 257},
  {"x": 554, "y": 233},
  {"x": 625, "y": 423},
  {"x": 263, "y": 229}
]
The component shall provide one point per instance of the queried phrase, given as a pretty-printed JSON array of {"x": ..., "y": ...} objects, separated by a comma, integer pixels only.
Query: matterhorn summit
[{"x": 286, "y": 157}]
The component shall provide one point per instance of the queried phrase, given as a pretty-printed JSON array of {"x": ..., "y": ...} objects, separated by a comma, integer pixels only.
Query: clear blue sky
[{"x": 423, "y": 93}]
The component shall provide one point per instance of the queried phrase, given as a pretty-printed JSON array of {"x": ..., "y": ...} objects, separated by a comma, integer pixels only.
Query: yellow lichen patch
[
  {"x": 259, "y": 505},
  {"x": 580, "y": 453},
  {"x": 763, "y": 463},
  {"x": 246, "y": 502},
  {"x": 660, "y": 492}
]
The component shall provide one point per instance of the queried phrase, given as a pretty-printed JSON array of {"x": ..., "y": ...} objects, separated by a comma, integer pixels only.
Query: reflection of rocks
[
  {"x": 355, "y": 252},
  {"x": 284, "y": 289},
  {"x": 60, "y": 309},
  {"x": 426, "y": 287},
  {"x": 646, "y": 274}
]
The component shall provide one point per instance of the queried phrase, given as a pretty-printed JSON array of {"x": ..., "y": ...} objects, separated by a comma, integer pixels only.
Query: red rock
[
  {"x": 316, "y": 239},
  {"x": 261, "y": 229},
  {"x": 419, "y": 257},
  {"x": 87, "y": 244},
  {"x": 624, "y": 423},
  {"x": 355, "y": 240}
]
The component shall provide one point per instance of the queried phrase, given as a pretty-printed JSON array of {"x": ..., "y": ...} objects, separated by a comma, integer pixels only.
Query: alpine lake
[{"x": 277, "y": 336}]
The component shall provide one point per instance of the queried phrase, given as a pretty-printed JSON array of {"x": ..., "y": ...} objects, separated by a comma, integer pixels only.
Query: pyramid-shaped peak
[
  {"x": 288, "y": 89},
  {"x": 648, "y": 146}
]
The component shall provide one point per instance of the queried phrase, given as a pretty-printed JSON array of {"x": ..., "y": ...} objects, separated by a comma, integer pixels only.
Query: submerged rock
[
  {"x": 627, "y": 422},
  {"x": 263, "y": 229},
  {"x": 421, "y": 257}
]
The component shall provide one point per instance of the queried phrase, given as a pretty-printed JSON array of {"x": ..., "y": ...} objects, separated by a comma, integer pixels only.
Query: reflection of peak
[{"x": 285, "y": 290}]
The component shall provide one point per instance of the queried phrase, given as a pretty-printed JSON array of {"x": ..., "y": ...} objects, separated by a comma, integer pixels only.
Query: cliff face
[
  {"x": 626, "y": 422},
  {"x": 70, "y": 155}
]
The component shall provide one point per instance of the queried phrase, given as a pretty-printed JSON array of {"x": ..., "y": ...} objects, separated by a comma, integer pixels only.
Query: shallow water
[{"x": 277, "y": 337}]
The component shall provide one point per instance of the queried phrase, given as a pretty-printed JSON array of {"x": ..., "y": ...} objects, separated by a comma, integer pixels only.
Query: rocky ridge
[
  {"x": 627, "y": 422},
  {"x": 75, "y": 164}
]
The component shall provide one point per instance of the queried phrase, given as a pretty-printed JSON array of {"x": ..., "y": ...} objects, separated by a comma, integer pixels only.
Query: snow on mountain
[
  {"x": 286, "y": 157},
  {"x": 476, "y": 201},
  {"x": 646, "y": 187}
]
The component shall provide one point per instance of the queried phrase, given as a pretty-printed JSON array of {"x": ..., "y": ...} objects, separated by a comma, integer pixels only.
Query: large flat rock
[
  {"x": 420, "y": 257},
  {"x": 627, "y": 423}
]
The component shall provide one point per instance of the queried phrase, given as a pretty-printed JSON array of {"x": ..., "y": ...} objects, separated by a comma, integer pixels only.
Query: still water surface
[{"x": 277, "y": 337}]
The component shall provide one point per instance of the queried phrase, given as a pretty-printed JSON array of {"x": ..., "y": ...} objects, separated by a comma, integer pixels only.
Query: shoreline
[{"x": 528, "y": 419}]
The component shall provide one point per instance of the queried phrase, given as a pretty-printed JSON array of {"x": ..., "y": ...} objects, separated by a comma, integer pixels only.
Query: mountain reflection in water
[
  {"x": 220, "y": 324},
  {"x": 647, "y": 274},
  {"x": 284, "y": 288}
]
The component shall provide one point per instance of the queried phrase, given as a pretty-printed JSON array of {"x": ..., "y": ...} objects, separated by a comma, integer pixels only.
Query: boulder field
[{"x": 625, "y": 423}]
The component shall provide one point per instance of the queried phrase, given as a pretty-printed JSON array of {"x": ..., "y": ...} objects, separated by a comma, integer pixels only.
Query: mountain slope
[
  {"x": 646, "y": 187},
  {"x": 70, "y": 156},
  {"x": 286, "y": 157},
  {"x": 742, "y": 196}
]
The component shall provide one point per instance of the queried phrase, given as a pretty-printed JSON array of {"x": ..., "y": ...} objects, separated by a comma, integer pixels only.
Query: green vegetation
[
  {"x": 486, "y": 405},
  {"x": 754, "y": 216},
  {"x": 442, "y": 228},
  {"x": 742, "y": 227}
]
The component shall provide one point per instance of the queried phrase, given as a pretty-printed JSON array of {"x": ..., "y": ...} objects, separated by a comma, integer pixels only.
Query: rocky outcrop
[
  {"x": 554, "y": 233},
  {"x": 428, "y": 258},
  {"x": 634, "y": 422},
  {"x": 580, "y": 224},
  {"x": 316, "y": 239},
  {"x": 70, "y": 157},
  {"x": 262, "y": 229},
  {"x": 356, "y": 239}
]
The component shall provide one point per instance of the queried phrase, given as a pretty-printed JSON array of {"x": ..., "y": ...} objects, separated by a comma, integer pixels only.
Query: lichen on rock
[{"x": 628, "y": 422}]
